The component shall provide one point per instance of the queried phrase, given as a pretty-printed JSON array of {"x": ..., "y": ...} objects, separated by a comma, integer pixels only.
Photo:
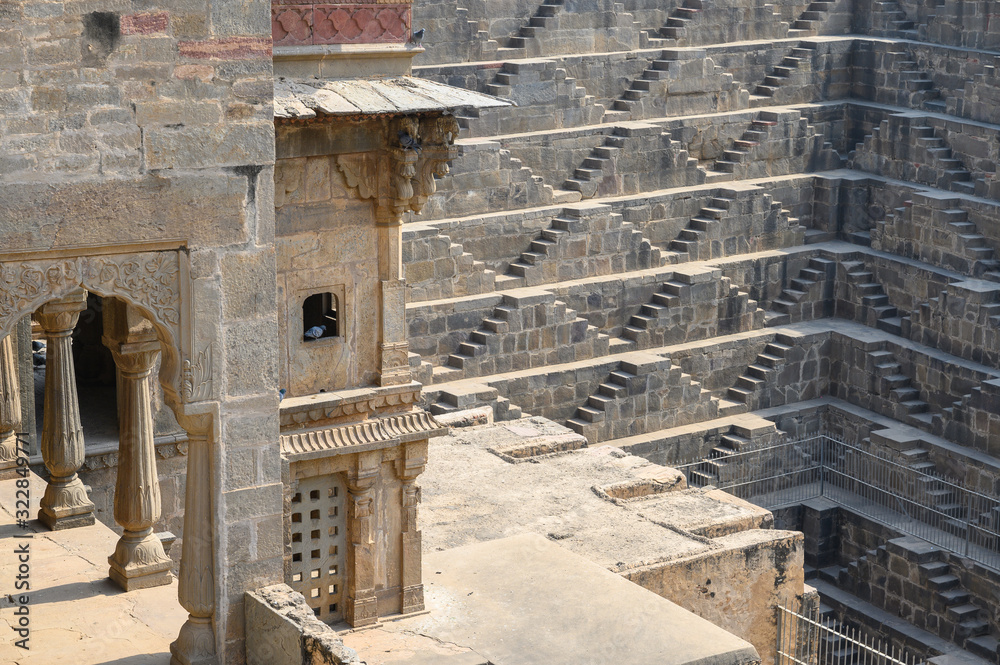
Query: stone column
[
  {"x": 361, "y": 605},
  {"x": 65, "y": 503},
  {"x": 195, "y": 645},
  {"x": 394, "y": 365},
  {"x": 408, "y": 468},
  {"x": 10, "y": 404},
  {"x": 139, "y": 561}
]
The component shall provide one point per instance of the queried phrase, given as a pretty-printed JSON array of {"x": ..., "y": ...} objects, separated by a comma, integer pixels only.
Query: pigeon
[
  {"x": 38, "y": 359},
  {"x": 281, "y": 394},
  {"x": 417, "y": 36},
  {"x": 36, "y": 345},
  {"x": 315, "y": 332},
  {"x": 408, "y": 142}
]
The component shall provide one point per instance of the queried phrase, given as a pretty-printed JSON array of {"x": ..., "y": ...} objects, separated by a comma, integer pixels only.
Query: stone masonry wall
[{"x": 150, "y": 124}]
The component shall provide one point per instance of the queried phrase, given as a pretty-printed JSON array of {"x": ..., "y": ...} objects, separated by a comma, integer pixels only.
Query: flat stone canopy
[
  {"x": 525, "y": 600},
  {"x": 309, "y": 97}
]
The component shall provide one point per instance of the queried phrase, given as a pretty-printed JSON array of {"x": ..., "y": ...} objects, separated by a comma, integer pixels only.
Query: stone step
[
  {"x": 589, "y": 414},
  {"x": 985, "y": 646}
]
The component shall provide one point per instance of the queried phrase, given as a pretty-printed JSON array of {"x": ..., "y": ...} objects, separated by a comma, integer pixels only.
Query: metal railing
[
  {"x": 811, "y": 640},
  {"x": 879, "y": 485}
]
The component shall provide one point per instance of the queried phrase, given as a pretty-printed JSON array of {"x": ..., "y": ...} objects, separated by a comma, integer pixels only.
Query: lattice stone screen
[{"x": 318, "y": 527}]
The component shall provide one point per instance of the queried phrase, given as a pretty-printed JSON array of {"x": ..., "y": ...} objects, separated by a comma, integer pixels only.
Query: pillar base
[
  {"x": 413, "y": 599},
  {"x": 65, "y": 505},
  {"x": 195, "y": 645},
  {"x": 139, "y": 562},
  {"x": 362, "y": 611}
]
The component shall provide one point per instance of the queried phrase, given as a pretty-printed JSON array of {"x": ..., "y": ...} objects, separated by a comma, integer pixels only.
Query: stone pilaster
[
  {"x": 361, "y": 606},
  {"x": 195, "y": 645},
  {"x": 139, "y": 561},
  {"x": 65, "y": 503},
  {"x": 10, "y": 404},
  {"x": 408, "y": 468}
]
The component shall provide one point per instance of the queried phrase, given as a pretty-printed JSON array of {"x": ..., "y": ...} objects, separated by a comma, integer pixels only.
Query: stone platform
[
  {"x": 77, "y": 614},
  {"x": 524, "y": 599}
]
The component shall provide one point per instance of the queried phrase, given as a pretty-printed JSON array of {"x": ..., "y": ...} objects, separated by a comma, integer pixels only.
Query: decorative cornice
[
  {"x": 348, "y": 404},
  {"x": 366, "y": 435}
]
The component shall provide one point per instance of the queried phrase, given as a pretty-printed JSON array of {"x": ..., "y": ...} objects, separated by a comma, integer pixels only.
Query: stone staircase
[
  {"x": 669, "y": 317},
  {"x": 869, "y": 299},
  {"x": 525, "y": 42},
  {"x": 900, "y": 397},
  {"x": 796, "y": 67},
  {"x": 582, "y": 241},
  {"x": 806, "y": 297},
  {"x": 716, "y": 468},
  {"x": 529, "y": 329},
  {"x": 679, "y": 82},
  {"x": 915, "y": 85},
  {"x": 732, "y": 224},
  {"x": 940, "y": 232},
  {"x": 774, "y": 136},
  {"x": 435, "y": 267},
  {"x": 697, "y": 22},
  {"x": 921, "y": 574},
  {"x": 808, "y": 23},
  {"x": 487, "y": 178},
  {"x": 547, "y": 99},
  {"x": 889, "y": 19},
  {"x": 622, "y": 163},
  {"x": 751, "y": 387},
  {"x": 901, "y": 147},
  {"x": 646, "y": 393},
  {"x": 464, "y": 395}
]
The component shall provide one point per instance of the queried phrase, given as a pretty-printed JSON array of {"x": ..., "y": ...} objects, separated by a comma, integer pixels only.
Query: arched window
[{"x": 320, "y": 313}]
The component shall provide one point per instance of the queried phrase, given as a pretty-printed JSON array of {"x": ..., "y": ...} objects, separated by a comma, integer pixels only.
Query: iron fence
[
  {"x": 811, "y": 640},
  {"x": 892, "y": 489}
]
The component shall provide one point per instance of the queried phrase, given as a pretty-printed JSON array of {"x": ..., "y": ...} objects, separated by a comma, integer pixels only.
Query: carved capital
[{"x": 60, "y": 316}]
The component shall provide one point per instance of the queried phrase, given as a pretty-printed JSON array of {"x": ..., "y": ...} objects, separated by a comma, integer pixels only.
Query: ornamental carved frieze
[
  {"x": 149, "y": 280},
  {"x": 302, "y": 24},
  {"x": 400, "y": 178}
]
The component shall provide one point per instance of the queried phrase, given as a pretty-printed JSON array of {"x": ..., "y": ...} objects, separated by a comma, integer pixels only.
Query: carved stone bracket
[{"x": 400, "y": 178}]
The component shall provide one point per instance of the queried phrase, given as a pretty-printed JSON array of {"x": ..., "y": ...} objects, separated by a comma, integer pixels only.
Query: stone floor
[{"x": 77, "y": 615}]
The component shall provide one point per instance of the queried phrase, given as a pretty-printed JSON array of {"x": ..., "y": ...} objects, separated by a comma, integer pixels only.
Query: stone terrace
[{"x": 709, "y": 221}]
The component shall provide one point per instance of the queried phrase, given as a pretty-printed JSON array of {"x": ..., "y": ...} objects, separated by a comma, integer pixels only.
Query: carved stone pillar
[
  {"x": 361, "y": 606},
  {"x": 10, "y": 404},
  {"x": 65, "y": 503},
  {"x": 408, "y": 468},
  {"x": 195, "y": 645},
  {"x": 139, "y": 561}
]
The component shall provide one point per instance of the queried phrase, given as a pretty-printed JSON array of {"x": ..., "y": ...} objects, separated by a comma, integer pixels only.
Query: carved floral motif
[
  {"x": 25, "y": 285},
  {"x": 149, "y": 279},
  {"x": 196, "y": 376}
]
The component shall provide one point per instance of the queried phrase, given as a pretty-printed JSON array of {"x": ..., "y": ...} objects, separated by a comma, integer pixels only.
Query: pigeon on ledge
[
  {"x": 408, "y": 142},
  {"x": 315, "y": 332},
  {"x": 281, "y": 394},
  {"x": 417, "y": 36}
]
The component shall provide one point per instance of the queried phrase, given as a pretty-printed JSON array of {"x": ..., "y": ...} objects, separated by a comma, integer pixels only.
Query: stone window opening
[{"x": 320, "y": 317}]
